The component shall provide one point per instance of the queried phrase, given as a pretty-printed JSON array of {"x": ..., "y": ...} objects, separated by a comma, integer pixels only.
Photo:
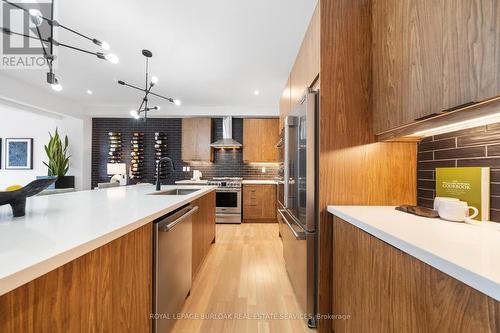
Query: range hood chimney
[{"x": 227, "y": 135}]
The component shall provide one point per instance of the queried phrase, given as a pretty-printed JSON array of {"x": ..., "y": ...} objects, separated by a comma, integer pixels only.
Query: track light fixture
[
  {"x": 144, "y": 108},
  {"x": 48, "y": 43}
]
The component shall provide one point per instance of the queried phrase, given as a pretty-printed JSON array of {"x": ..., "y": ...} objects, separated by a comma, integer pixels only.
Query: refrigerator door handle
[{"x": 297, "y": 235}]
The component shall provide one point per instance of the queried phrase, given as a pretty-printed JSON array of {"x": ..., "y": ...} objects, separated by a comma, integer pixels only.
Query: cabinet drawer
[{"x": 259, "y": 202}]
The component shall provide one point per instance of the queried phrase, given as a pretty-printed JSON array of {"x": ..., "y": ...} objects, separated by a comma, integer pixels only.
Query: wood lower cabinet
[
  {"x": 259, "y": 203},
  {"x": 203, "y": 229},
  {"x": 260, "y": 137},
  {"x": 106, "y": 290},
  {"x": 196, "y": 139},
  {"x": 386, "y": 290},
  {"x": 429, "y": 56}
]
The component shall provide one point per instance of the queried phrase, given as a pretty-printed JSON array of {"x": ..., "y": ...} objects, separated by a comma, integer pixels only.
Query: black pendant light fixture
[
  {"x": 144, "y": 107},
  {"x": 49, "y": 42}
]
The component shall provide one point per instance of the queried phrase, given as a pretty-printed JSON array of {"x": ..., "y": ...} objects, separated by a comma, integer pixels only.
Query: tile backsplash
[
  {"x": 227, "y": 163},
  {"x": 479, "y": 146}
]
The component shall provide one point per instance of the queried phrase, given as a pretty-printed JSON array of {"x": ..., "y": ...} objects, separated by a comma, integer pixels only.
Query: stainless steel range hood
[{"x": 227, "y": 135}]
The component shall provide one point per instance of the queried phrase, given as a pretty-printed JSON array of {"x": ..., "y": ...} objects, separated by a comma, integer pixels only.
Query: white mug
[
  {"x": 439, "y": 200},
  {"x": 457, "y": 211}
]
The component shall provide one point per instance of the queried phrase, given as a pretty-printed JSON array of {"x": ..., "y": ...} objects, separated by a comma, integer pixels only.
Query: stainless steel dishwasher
[{"x": 172, "y": 266}]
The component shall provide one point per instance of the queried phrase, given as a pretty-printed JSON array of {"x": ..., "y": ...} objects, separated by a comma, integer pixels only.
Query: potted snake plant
[{"x": 58, "y": 160}]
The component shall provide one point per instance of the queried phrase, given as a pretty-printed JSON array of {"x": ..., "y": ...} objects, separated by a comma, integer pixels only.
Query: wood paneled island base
[
  {"x": 384, "y": 289},
  {"x": 106, "y": 290}
]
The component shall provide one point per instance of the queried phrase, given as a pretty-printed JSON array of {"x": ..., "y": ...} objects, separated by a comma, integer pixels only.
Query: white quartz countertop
[
  {"x": 60, "y": 228},
  {"x": 468, "y": 252},
  {"x": 259, "y": 182},
  {"x": 192, "y": 182}
]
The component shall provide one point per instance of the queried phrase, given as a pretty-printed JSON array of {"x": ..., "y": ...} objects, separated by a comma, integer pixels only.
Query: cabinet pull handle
[
  {"x": 458, "y": 107},
  {"x": 432, "y": 115},
  {"x": 455, "y": 108}
]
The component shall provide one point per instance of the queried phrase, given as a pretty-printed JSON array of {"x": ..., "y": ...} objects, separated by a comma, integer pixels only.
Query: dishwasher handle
[{"x": 171, "y": 225}]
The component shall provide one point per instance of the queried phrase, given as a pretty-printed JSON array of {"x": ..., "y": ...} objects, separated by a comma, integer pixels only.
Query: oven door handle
[{"x": 297, "y": 235}]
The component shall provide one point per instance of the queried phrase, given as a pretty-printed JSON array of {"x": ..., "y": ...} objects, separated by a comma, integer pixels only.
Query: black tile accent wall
[
  {"x": 479, "y": 146},
  {"x": 101, "y": 127},
  {"x": 227, "y": 163}
]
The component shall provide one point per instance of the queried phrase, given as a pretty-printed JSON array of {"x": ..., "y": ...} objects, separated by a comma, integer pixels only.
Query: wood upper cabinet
[
  {"x": 260, "y": 137},
  {"x": 259, "y": 203},
  {"x": 284, "y": 104},
  {"x": 307, "y": 64},
  {"x": 196, "y": 139},
  {"x": 203, "y": 229},
  {"x": 432, "y": 55},
  {"x": 305, "y": 69}
]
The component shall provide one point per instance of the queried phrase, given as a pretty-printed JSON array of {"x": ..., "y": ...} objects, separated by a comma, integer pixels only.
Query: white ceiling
[{"x": 208, "y": 53}]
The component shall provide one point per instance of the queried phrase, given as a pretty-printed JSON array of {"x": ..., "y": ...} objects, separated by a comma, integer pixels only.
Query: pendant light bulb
[
  {"x": 36, "y": 17},
  {"x": 56, "y": 87},
  {"x": 112, "y": 58},
  {"x": 177, "y": 102},
  {"x": 103, "y": 45},
  {"x": 134, "y": 114},
  {"x": 155, "y": 79}
]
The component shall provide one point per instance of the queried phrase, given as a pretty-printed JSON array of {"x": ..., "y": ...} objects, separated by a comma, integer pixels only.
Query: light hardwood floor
[{"x": 245, "y": 274}]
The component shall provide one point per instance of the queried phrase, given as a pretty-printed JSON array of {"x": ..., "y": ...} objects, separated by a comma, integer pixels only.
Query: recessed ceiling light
[
  {"x": 90, "y": 92},
  {"x": 256, "y": 92}
]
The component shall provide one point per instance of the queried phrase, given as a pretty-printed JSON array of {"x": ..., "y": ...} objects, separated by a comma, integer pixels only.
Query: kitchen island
[
  {"x": 83, "y": 261},
  {"x": 393, "y": 271}
]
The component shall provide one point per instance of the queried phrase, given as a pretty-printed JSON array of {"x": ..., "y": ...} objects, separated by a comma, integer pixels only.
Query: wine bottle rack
[
  {"x": 161, "y": 151},
  {"x": 137, "y": 156},
  {"x": 115, "y": 147}
]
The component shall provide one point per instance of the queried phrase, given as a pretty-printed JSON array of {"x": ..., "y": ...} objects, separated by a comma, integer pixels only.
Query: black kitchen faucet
[{"x": 158, "y": 164}]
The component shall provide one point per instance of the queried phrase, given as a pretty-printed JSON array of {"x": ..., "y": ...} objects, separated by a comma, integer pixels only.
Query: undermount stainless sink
[{"x": 178, "y": 191}]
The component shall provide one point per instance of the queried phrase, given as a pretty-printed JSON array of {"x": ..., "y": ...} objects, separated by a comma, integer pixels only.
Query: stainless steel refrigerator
[{"x": 298, "y": 207}]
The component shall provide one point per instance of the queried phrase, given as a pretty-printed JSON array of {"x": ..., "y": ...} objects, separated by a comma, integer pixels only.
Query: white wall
[
  {"x": 18, "y": 123},
  {"x": 170, "y": 111}
]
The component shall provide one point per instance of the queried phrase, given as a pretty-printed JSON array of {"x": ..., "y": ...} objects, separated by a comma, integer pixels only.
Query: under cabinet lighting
[{"x": 480, "y": 121}]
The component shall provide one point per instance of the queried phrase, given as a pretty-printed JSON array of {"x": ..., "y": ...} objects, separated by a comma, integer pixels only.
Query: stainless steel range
[{"x": 228, "y": 199}]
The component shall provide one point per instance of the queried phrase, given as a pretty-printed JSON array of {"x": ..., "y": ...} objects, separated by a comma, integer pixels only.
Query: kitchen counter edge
[
  {"x": 409, "y": 244},
  {"x": 21, "y": 277}
]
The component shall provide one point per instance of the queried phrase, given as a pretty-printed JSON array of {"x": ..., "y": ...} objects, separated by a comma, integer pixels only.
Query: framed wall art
[{"x": 18, "y": 154}]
